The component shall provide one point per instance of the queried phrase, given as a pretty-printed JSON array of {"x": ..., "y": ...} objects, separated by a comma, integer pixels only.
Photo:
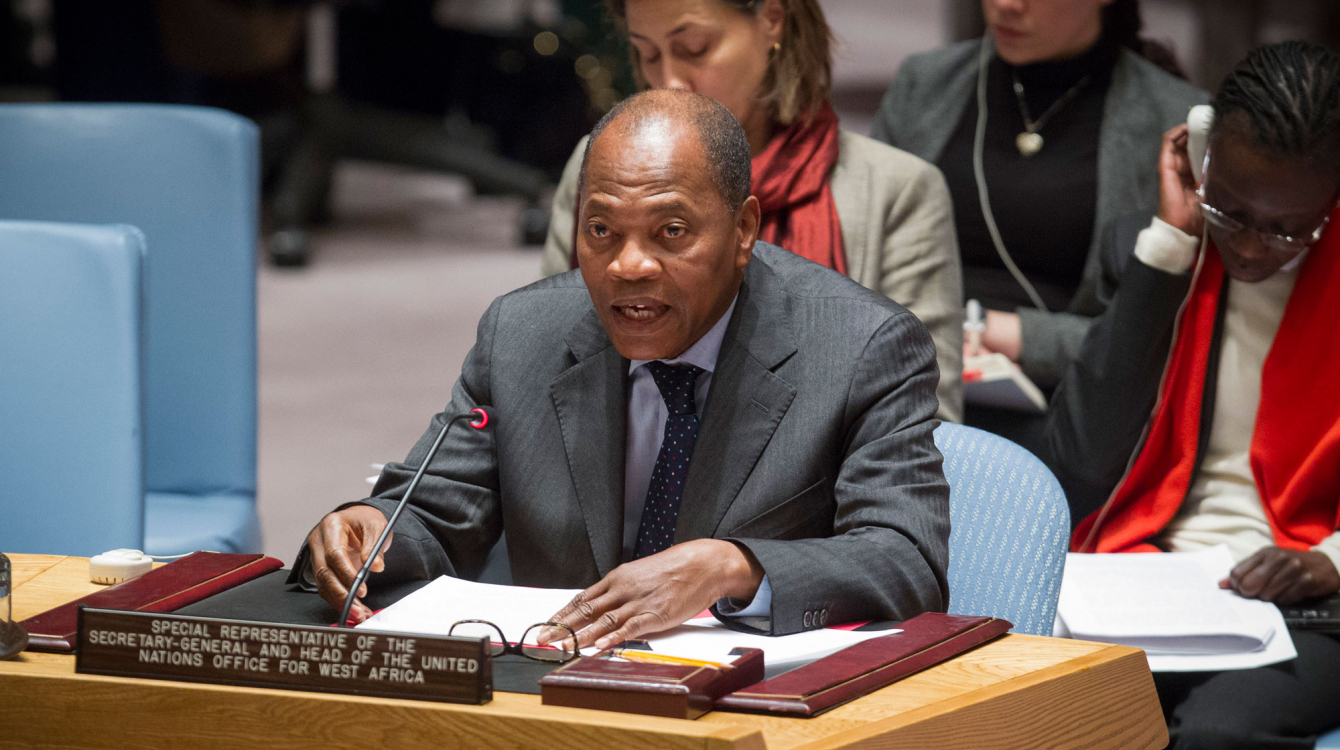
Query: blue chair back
[
  {"x": 189, "y": 178},
  {"x": 1010, "y": 529},
  {"x": 70, "y": 388}
]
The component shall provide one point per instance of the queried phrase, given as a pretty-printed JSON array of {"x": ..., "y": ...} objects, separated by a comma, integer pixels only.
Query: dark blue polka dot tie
[{"x": 657, "y": 531}]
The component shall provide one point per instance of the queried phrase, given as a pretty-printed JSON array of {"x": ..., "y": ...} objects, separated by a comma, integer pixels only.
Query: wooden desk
[{"x": 1017, "y": 692}]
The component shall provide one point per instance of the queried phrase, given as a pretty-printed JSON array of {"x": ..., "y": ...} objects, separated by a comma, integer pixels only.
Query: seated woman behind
[
  {"x": 1067, "y": 140},
  {"x": 881, "y": 216},
  {"x": 1227, "y": 413}
]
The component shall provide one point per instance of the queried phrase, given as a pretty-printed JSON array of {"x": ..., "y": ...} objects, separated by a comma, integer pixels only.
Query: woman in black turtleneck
[{"x": 1077, "y": 72}]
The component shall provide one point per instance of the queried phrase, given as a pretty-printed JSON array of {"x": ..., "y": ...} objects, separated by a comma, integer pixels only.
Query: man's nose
[{"x": 633, "y": 263}]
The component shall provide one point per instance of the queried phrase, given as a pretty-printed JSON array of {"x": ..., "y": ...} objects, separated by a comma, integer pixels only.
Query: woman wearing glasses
[{"x": 1204, "y": 408}]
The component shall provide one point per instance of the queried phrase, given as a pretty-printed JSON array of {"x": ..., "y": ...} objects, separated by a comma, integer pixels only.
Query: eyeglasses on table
[{"x": 526, "y": 647}]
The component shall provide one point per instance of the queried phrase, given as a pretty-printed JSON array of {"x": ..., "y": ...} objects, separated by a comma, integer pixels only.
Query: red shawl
[
  {"x": 1295, "y": 453},
  {"x": 791, "y": 181}
]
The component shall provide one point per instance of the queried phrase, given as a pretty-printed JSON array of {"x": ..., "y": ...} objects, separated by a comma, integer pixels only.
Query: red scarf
[
  {"x": 1295, "y": 453},
  {"x": 791, "y": 181}
]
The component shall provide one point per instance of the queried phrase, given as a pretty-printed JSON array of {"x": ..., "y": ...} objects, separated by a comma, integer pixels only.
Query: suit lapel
[
  {"x": 592, "y": 403},
  {"x": 744, "y": 406}
]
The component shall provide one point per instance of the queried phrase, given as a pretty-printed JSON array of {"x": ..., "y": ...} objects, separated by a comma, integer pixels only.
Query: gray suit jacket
[
  {"x": 929, "y": 97},
  {"x": 815, "y": 449},
  {"x": 897, "y": 231}
]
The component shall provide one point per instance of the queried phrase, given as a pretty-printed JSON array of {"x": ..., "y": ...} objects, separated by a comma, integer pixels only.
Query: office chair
[
  {"x": 71, "y": 333},
  {"x": 1010, "y": 528},
  {"x": 188, "y": 178}
]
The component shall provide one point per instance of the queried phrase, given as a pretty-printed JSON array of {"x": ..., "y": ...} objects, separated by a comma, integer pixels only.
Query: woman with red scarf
[
  {"x": 1204, "y": 408},
  {"x": 879, "y": 215}
]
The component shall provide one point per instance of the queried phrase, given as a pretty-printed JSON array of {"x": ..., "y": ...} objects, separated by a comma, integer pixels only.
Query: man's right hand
[
  {"x": 1179, "y": 204},
  {"x": 339, "y": 546}
]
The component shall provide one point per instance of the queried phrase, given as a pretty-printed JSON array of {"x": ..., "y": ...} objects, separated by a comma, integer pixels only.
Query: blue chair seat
[
  {"x": 177, "y": 523},
  {"x": 1329, "y": 741}
]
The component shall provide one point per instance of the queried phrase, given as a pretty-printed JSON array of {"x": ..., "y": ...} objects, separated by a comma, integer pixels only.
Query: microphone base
[{"x": 13, "y": 639}]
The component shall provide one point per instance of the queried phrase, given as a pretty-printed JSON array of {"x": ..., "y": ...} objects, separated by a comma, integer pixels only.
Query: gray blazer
[
  {"x": 897, "y": 230},
  {"x": 815, "y": 450},
  {"x": 929, "y": 97}
]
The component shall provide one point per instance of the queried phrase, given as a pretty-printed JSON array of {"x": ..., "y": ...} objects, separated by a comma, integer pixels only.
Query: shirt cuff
[
  {"x": 1330, "y": 546},
  {"x": 1166, "y": 248},
  {"x": 759, "y": 606}
]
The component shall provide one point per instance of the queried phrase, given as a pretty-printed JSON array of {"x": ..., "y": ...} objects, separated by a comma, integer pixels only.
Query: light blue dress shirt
[{"x": 646, "y": 428}]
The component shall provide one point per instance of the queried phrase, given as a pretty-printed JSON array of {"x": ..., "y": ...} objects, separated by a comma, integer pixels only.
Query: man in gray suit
[{"x": 692, "y": 419}]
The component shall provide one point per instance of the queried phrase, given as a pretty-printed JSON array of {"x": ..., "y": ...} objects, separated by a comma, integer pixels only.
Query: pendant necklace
[{"x": 1030, "y": 141}]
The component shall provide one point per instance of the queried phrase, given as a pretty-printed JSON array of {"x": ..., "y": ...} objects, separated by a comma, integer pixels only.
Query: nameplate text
[{"x": 295, "y": 657}]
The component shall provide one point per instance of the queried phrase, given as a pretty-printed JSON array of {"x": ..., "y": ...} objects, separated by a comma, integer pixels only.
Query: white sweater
[{"x": 1223, "y": 506}]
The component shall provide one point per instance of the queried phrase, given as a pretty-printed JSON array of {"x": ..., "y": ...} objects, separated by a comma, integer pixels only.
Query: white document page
[
  {"x": 434, "y": 608},
  {"x": 1171, "y": 606}
]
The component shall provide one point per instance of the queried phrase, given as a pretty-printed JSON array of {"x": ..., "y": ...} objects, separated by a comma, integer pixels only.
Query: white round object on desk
[{"x": 118, "y": 565}]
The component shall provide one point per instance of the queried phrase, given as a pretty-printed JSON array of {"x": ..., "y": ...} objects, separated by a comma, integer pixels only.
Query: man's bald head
[{"x": 722, "y": 139}]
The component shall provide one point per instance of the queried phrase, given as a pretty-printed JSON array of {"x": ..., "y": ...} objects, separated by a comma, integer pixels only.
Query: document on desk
[
  {"x": 434, "y": 608},
  {"x": 1170, "y": 605}
]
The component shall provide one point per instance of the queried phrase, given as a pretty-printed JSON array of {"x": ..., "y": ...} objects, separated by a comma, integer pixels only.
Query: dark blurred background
[{"x": 410, "y": 148}]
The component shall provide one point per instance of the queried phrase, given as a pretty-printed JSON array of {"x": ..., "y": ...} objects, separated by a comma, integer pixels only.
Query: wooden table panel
[
  {"x": 1016, "y": 692},
  {"x": 24, "y": 567}
]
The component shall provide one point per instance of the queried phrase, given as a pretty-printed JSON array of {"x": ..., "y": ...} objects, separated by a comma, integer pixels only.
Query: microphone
[{"x": 482, "y": 420}]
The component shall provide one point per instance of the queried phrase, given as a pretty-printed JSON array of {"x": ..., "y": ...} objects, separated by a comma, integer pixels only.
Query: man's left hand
[
  {"x": 659, "y": 592},
  {"x": 1284, "y": 576}
]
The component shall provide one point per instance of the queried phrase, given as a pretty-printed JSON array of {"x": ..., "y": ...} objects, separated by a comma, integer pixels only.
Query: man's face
[
  {"x": 661, "y": 253},
  {"x": 1286, "y": 196}
]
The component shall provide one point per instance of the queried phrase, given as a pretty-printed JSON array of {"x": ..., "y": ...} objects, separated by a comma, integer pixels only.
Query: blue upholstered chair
[
  {"x": 189, "y": 178},
  {"x": 71, "y": 343},
  {"x": 1011, "y": 528}
]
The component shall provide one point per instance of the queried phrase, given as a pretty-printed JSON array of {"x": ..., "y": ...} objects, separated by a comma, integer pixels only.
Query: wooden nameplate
[
  {"x": 290, "y": 657},
  {"x": 672, "y": 691}
]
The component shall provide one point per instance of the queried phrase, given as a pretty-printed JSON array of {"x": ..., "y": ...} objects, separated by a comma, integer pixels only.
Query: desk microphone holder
[{"x": 13, "y": 638}]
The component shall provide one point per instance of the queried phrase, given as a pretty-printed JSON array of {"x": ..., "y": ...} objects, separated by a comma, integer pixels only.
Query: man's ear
[{"x": 747, "y": 221}]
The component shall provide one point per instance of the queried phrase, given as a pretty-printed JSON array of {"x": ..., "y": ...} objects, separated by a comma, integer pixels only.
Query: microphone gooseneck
[{"x": 480, "y": 421}]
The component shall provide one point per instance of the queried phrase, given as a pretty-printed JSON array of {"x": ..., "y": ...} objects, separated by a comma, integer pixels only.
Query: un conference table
[{"x": 1018, "y": 691}]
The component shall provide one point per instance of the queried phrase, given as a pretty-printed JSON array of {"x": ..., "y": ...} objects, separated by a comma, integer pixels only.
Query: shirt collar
[{"x": 704, "y": 352}]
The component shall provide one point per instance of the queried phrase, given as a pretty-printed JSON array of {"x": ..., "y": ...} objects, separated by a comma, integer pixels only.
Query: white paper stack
[
  {"x": 434, "y": 608},
  {"x": 1171, "y": 606}
]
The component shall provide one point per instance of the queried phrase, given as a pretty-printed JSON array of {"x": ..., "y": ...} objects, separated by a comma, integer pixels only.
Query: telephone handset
[{"x": 1199, "y": 121}]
